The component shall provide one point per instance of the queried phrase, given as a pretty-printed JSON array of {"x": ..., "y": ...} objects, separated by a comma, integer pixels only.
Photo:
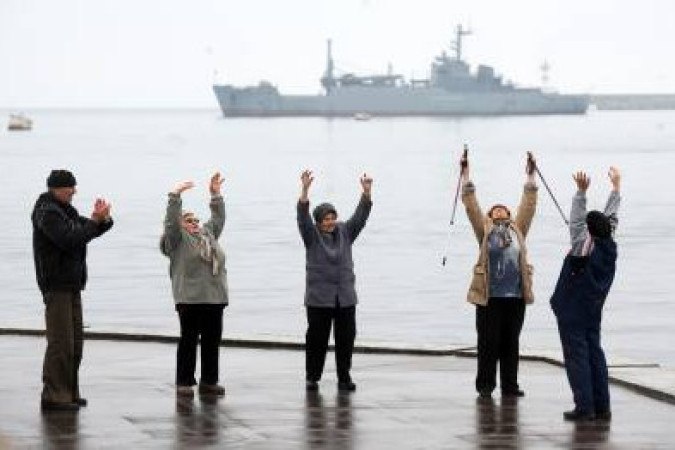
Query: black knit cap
[
  {"x": 322, "y": 211},
  {"x": 61, "y": 178},
  {"x": 598, "y": 225}
]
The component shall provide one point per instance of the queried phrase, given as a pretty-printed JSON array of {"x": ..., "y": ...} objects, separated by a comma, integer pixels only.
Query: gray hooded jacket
[
  {"x": 330, "y": 269},
  {"x": 194, "y": 279}
]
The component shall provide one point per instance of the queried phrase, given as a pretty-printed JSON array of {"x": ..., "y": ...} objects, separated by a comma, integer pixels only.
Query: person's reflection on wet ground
[
  {"x": 497, "y": 425},
  {"x": 197, "y": 421},
  {"x": 327, "y": 426},
  {"x": 315, "y": 420},
  {"x": 61, "y": 429},
  {"x": 590, "y": 434}
]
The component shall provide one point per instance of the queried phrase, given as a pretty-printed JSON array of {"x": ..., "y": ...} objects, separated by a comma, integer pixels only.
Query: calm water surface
[{"x": 135, "y": 157}]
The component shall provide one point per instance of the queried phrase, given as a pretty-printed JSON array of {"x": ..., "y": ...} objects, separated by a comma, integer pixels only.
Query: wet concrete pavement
[{"x": 401, "y": 402}]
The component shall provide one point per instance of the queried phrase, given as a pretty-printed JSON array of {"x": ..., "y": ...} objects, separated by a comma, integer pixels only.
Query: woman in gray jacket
[
  {"x": 199, "y": 285},
  {"x": 330, "y": 295}
]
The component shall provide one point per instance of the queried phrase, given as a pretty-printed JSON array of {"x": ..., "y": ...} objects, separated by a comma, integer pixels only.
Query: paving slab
[{"x": 402, "y": 401}]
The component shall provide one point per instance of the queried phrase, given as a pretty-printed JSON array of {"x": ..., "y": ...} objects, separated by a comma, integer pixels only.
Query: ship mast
[
  {"x": 328, "y": 80},
  {"x": 457, "y": 43}
]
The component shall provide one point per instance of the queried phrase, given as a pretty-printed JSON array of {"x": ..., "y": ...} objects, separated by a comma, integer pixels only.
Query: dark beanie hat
[
  {"x": 598, "y": 225},
  {"x": 322, "y": 211},
  {"x": 61, "y": 178}
]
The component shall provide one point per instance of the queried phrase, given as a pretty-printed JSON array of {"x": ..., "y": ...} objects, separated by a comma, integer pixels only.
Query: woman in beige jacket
[{"x": 501, "y": 284}]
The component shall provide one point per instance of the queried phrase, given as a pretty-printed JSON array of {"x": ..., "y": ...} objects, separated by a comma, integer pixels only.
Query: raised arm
[
  {"x": 172, "y": 221},
  {"x": 614, "y": 200},
  {"x": 305, "y": 224},
  {"x": 217, "y": 220},
  {"x": 528, "y": 201},
  {"x": 358, "y": 220},
  {"x": 470, "y": 201},
  {"x": 578, "y": 229}
]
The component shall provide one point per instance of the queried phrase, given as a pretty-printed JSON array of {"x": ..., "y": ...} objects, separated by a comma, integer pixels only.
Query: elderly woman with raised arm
[{"x": 501, "y": 283}]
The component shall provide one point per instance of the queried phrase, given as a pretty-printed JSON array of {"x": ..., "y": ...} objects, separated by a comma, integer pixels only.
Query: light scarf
[
  {"x": 502, "y": 230},
  {"x": 206, "y": 251}
]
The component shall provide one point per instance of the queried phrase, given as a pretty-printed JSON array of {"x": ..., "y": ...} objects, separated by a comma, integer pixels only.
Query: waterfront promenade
[{"x": 402, "y": 401}]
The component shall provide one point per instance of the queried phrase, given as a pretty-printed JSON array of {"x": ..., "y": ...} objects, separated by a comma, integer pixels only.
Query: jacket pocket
[{"x": 478, "y": 288}]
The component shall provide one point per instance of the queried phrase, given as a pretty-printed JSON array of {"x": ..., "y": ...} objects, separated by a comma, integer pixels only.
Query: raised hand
[
  {"x": 101, "y": 210},
  {"x": 531, "y": 164},
  {"x": 306, "y": 179},
  {"x": 366, "y": 184},
  {"x": 615, "y": 177},
  {"x": 582, "y": 180},
  {"x": 215, "y": 183},
  {"x": 464, "y": 163},
  {"x": 182, "y": 187}
]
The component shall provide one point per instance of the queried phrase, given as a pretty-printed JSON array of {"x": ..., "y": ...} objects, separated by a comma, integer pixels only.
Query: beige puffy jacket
[{"x": 482, "y": 225}]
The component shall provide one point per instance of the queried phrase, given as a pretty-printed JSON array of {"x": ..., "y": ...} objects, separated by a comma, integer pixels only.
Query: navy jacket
[
  {"x": 60, "y": 237},
  {"x": 583, "y": 285}
]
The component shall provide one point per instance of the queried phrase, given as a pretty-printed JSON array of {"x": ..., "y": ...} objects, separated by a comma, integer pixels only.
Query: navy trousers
[{"x": 586, "y": 367}]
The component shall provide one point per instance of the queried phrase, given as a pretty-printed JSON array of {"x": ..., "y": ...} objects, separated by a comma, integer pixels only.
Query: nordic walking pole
[
  {"x": 459, "y": 184},
  {"x": 543, "y": 180}
]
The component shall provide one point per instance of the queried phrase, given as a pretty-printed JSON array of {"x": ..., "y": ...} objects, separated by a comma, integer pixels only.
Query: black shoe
[
  {"x": 81, "y": 402},
  {"x": 346, "y": 386},
  {"x": 516, "y": 393},
  {"x": 311, "y": 385},
  {"x": 211, "y": 389},
  {"x": 485, "y": 393},
  {"x": 58, "y": 406},
  {"x": 578, "y": 416},
  {"x": 605, "y": 416}
]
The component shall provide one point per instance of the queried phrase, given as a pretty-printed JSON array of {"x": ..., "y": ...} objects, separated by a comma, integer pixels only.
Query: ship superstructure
[{"x": 451, "y": 90}]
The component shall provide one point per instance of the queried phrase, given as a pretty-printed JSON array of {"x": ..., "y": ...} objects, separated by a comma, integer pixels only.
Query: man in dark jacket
[
  {"x": 60, "y": 238},
  {"x": 330, "y": 295},
  {"x": 585, "y": 279}
]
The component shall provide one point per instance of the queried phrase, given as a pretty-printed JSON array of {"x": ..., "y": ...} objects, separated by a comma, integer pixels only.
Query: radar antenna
[
  {"x": 328, "y": 80},
  {"x": 457, "y": 43}
]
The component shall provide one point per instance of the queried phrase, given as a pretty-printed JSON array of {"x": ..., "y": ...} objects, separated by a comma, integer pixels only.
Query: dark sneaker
[
  {"x": 58, "y": 406},
  {"x": 211, "y": 389},
  {"x": 578, "y": 416},
  {"x": 605, "y": 416},
  {"x": 346, "y": 386},
  {"x": 311, "y": 385},
  {"x": 516, "y": 393},
  {"x": 81, "y": 402}
]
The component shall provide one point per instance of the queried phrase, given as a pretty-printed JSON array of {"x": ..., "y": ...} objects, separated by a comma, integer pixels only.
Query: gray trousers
[{"x": 63, "y": 317}]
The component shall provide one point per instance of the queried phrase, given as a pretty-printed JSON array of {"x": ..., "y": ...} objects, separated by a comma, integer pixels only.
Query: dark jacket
[
  {"x": 330, "y": 268},
  {"x": 584, "y": 284},
  {"x": 60, "y": 237}
]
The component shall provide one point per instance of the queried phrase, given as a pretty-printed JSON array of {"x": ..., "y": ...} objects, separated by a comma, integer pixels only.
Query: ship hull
[{"x": 267, "y": 102}]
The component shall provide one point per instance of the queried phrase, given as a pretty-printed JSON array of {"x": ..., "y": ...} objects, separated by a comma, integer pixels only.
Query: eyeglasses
[{"x": 191, "y": 220}]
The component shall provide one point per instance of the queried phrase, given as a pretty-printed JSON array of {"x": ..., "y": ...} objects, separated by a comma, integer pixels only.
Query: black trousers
[
  {"x": 63, "y": 318},
  {"x": 498, "y": 325},
  {"x": 319, "y": 322},
  {"x": 205, "y": 321}
]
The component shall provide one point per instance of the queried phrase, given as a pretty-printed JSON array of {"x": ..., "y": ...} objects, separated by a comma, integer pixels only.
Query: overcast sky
[{"x": 155, "y": 53}]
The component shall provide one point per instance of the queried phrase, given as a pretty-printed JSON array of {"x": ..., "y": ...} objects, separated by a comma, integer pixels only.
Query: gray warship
[{"x": 451, "y": 90}]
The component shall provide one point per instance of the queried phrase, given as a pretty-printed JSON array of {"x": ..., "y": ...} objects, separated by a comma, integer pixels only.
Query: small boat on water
[
  {"x": 362, "y": 116},
  {"x": 19, "y": 122}
]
